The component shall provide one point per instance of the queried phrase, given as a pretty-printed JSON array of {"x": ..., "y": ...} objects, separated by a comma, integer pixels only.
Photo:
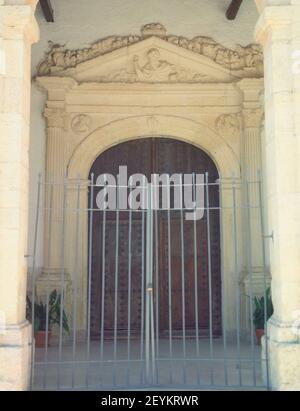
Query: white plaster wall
[{"x": 79, "y": 23}]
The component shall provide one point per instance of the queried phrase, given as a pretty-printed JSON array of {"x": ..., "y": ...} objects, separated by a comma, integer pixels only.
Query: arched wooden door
[{"x": 148, "y": 156}]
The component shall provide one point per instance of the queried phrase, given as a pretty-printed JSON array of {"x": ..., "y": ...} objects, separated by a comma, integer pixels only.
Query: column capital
[
  {"x": 55, "y": 117},
  {"x": 17, "y": 21},
  {"x": 252, "y": 117}
]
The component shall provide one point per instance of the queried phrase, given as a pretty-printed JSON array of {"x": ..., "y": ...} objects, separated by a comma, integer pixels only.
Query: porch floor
[{"x": 224, "y": 368}]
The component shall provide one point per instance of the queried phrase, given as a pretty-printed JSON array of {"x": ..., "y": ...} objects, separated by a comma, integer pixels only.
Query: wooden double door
[{"x": 186, "y": 254}]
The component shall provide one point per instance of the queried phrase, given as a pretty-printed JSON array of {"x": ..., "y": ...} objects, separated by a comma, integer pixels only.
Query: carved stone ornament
[
  {"x": 229, "y": 124},
  {"x": 253, "y": 117},
  {"x": 155, "y": 70},
  {"x": 81, "y": 123},
  {"x": 55, "y": 117},
  {"x": 246, "y": 61}
]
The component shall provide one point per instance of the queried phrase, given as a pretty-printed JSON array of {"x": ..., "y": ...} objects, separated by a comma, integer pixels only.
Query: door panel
[{"x": 147, "y": 156}]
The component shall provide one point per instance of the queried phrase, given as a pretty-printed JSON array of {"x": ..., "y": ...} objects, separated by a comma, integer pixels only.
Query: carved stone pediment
[{"x": 154, "y": 57}]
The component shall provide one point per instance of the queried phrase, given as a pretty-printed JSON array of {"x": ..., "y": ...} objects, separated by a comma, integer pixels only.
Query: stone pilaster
[
  {"x": 278, "y": 30},
  {"x": 18, "y": 30},
  {"x": 256, "y": 275},
  {"x": 55, "y": 171}
]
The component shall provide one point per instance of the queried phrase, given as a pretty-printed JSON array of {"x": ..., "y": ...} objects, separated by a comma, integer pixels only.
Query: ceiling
[{"x": 49, "y": 12}]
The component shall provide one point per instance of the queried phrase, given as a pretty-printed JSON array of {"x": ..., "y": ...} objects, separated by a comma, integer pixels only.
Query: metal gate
[{"x": 171, "y": 314}]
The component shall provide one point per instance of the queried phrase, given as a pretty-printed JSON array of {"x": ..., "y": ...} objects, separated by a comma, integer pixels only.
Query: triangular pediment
[
  {"x": 153, "y": 57},
  {"x": 152, "y": 61}
]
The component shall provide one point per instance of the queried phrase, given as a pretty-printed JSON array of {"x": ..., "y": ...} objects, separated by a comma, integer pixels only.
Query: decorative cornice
[{"x": 246, "y": 61}]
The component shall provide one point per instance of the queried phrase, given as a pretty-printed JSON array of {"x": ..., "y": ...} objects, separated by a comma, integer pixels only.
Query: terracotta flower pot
[
  {"x": 40, "y": 338},
  {"x": 259, "y": 333}
]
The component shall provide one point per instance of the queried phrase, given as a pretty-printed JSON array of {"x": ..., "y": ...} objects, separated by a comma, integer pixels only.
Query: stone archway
[
  {"x": 130, "y": 128},
  {"x": 133, "y": 128},
  {"x": 276, "y": 24}
]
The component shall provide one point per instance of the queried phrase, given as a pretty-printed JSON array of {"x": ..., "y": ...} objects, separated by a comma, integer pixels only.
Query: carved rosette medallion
[
  {"x": 81, "y": 123},
  {"x": 229, "y": 125}
]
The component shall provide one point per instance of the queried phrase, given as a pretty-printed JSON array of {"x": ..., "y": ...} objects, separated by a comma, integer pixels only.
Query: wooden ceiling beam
[
  {"x": 233, "y": 9},
  {"x": 47, "y": 10}
]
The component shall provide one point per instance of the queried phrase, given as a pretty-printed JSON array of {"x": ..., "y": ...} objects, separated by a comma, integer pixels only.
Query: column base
[
  {"x": 284, "y": 357},
  {"x": 15, "y": 357}
]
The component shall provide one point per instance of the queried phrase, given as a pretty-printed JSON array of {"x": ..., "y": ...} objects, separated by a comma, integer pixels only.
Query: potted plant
[
  {"x": 40, "y": 317},
  {"x": 262, "y": 312}
]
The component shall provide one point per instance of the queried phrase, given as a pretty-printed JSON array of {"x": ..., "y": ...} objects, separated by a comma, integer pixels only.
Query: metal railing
[{"x": 144, "y": 296}]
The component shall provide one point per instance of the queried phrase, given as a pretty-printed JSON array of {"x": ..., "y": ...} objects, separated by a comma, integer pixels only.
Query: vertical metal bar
[
  {"x": 156, "y": 239},
  {"x": 148, "y": 286},
  {"x": 91, "y": 215},
  {"x": 143, "y": 281},
  {"x": 75, "y": 279},
  {"x": 262, "y": 225},
  {"x": 48, "y": 278},
  {"x": 103, "y": 284},
  {"x": 129, "y": 295},
  {"x": 223, "y": 311},
  {"x": 116, "y": 287},
  {"x": 236, "y": 271},
  {"x": 33, "y": 276},
  {"x": 182, "y": 279},
  {"x": 209, "y": 279},
  {"x": 170, "y": 282},
  {"x": 249, "y": 261},
  {"x": 62, "y": 275},
  {"x": 151, "y": 307},
  {"x": 196, "y": 275}
]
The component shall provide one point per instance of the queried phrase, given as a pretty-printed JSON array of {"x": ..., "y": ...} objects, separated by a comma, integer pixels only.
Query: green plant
[
  {"x": 263, "y": 309},
  {"x": 40, "y": 313}
]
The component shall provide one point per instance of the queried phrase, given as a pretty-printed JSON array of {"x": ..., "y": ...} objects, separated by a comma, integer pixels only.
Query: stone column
[
  {"x": 18, "y": 30},
  {"x": 278, "y": 30},
  {"x": 251, "y": 163}
]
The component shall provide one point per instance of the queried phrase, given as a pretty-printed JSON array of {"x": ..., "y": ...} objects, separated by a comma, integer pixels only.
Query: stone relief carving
[
  {"x": 153, "y": 29},
  {"x": 152, "y": 123},
  {"x": 229, "y": 124},
  {"x": 155, "y": 70},
  {"x": 246, "y": 60},
  {"x": 81, "y": 123}
]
